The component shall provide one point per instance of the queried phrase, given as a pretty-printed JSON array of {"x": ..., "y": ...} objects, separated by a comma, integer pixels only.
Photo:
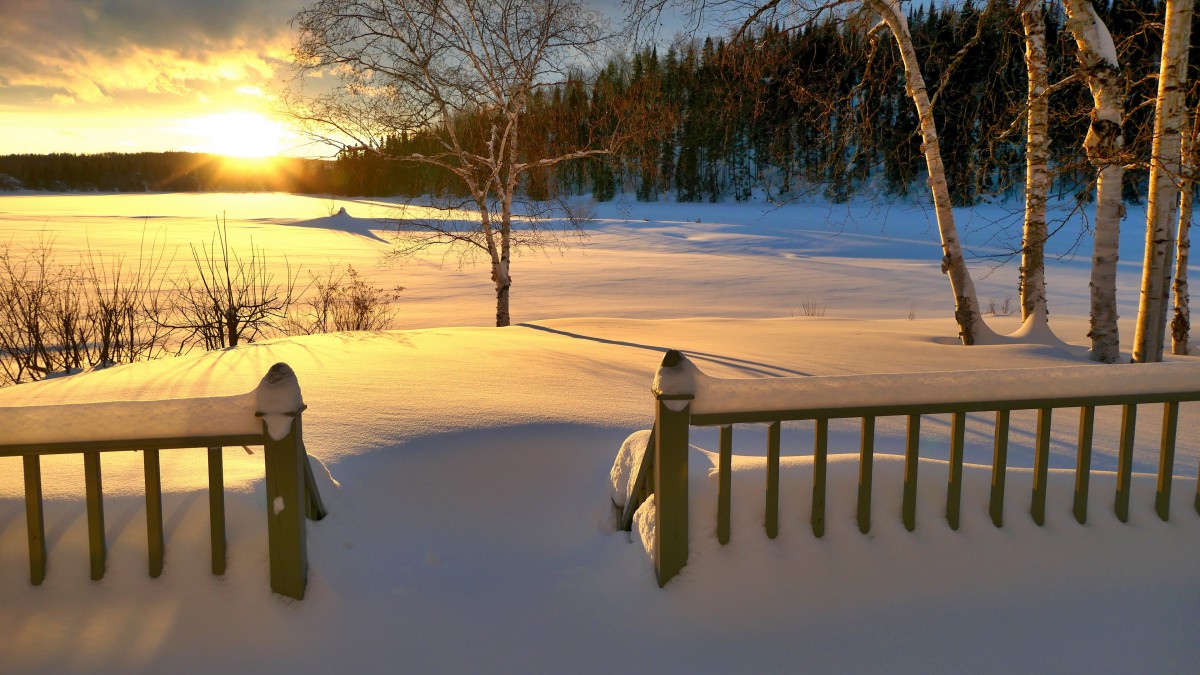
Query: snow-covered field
[{"x": 470, "y": 527}]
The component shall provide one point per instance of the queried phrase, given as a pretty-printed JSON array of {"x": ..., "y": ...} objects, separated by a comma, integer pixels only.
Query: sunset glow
[{"x": 239, "y": 134}]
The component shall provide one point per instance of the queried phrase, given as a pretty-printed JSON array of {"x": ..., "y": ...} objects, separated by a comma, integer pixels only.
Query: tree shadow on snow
[{"x": 745, "y": 365}]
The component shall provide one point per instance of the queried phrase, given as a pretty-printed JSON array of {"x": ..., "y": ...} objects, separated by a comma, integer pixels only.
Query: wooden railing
[
  {"x": 680, "y": 388},
  {"x": 289, "y": 481}
]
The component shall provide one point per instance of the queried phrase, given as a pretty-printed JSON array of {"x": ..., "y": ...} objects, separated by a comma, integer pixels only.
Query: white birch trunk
[
  {"x": 1165, "y": 159},
  {"x": 1181, "y": 321},
  {"x": 1037, "y": 156},
  {"x": 1098, "y": 56},
  {"x": 966, "y": 305}
]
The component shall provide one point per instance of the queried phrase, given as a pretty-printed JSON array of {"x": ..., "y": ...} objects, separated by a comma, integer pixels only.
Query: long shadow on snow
[
  {"x": 478, "y": 507},
  {"x": 755, "y": 367}
]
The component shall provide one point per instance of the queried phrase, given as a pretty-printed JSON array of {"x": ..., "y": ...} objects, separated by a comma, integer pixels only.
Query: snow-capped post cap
[
  {"x": 279, "y": 400},
  {"x": 675, "y": 380}
]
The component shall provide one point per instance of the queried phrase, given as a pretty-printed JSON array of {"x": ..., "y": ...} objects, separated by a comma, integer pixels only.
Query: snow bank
[
  {"x": 625, "y": 468},
  {"x": 718, "y": 395},
  {"x": 276, "y": 395}
]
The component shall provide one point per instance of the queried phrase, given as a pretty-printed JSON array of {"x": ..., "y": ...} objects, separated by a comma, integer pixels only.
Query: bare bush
[
  {"x": 126, "y": 309},
  {"x": 60, "y": 318},
  {"x": 342, "y": 301},
  {"x": 230, "y": 299},
  {"x": 1005, "y": 308},
  {"x": 63, "y": 318},
  {"x": 579, "y": 213},
  {"x": 26, "y": 283},
  {"x": 812, "y": 307}
]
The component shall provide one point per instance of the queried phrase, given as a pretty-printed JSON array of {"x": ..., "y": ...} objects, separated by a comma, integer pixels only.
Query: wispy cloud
[{"x": 114, "y": 51}]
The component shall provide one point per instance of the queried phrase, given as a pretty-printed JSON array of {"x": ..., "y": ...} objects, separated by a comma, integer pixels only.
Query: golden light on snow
[{"x": 239, "y": 134}]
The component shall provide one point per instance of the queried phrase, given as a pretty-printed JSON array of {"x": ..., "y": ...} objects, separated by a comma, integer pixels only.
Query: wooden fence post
[
  {"x": 671, "y": 487},
  {"x": 286, "y": 507}
]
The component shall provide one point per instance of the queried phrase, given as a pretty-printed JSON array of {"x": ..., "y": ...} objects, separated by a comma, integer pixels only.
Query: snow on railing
[
  {"x": 688, "y": 397},
  {"x": 269, "y": 416}
]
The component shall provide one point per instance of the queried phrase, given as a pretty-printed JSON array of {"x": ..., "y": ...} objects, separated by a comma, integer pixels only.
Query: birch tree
[
  {"x": 1103, "y": 144},
  {"x": 1165, "y": 159},
  {"x": 966, "y": 305},
  {"x": 1037, "y": 157},
  {"x": 972, "y": 328},
  {"x": 463, "y": 73},
  {"x": 1181, "y": 319}
]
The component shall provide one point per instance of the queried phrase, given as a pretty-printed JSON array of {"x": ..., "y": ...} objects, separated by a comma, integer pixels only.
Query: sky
[{"x": 89, "y": 76}]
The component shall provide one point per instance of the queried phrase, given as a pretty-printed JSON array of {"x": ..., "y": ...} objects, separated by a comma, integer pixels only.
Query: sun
[{"x": 239, "y": 134}]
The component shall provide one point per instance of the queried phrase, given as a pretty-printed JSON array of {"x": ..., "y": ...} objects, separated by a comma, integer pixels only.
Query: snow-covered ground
[{"x": 470, "y": 527}]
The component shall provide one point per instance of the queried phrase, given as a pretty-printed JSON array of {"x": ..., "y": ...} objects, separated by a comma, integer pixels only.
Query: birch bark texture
[
  {"x": 1037, "y": 157},
  {"x": 1103, "y": 144},
  {"x": 966, "y": 305},
  {"x": 1165, "y": 163},
  {"x": 1181, "y": 319},
  {"x": 460, "y": 73}
]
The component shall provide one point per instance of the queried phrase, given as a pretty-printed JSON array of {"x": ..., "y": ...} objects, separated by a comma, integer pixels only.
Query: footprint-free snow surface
[{"x": 466, "y": 474}]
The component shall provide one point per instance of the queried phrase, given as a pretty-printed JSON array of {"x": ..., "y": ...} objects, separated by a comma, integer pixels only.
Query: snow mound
[
  {"x": 342, "y": 221},
  {"x": 278, "y": 400},
  {"x": 627, "y": 464},
  {"x": 31, "y": 422}
]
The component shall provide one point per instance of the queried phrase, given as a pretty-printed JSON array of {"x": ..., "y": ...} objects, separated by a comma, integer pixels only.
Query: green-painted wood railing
[
  {"x": 663, "y": 471},
  {"x": 289, "y": 477}
]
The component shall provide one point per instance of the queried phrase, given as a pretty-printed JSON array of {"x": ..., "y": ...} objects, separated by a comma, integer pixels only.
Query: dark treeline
[
  {"x": 819, "y": 108},
  {"x": 165, "y": 171}
]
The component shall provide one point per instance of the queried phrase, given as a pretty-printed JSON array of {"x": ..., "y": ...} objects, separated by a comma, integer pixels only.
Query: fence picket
[
  {"x": 216, "y": 509},
  {"x": 999, "y": 468},
  {"x": 772, "y": 519},
  {"x": 95, "y": 513},
  {"x": 1166, "y": 459},
  {"x": 912, "y": 444},
  {"x": 1041, "y": 466},
  {"x": 820, "y": 456},
  {"x": 724, "y": 480},
  {"x": 958, "y": 427},
  {"x": 866, "y": 463},
  {"x": 1125, "y": 461},
  {"x": 155, "y": 545},
  {"x": 1083, "y": 462},
  {"x": 35, "y": 521}
]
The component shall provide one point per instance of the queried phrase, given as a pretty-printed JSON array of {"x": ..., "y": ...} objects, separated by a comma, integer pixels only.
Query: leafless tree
[
  {"x": 461, "y": 73},
  {"x": 230, "y": 299}
]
